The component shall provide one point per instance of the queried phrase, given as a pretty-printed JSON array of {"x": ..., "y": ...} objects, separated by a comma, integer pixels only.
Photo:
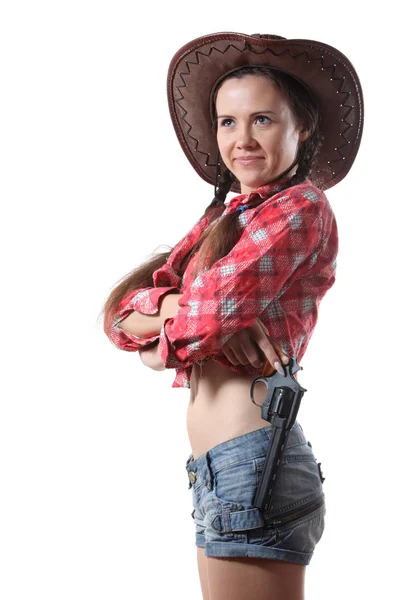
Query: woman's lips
[{"x": 248, "y": 160}]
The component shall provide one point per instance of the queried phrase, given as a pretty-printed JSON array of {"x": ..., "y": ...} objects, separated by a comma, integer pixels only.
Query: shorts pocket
[
  {"x": 234, "y": 486},
  {"x": 298, "y": 479},
  {"x": 200, "y": 494}
]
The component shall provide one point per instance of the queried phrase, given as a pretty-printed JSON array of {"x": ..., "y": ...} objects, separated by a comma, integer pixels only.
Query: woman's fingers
[
  {"x": 230, "y": 355},
  {"x": 237, "y": 354},
  {"x": 242, "y": 349},
  {"x": 282, "y": 356},
  {"x": 251, "y": 352},
  {"x": 254, "y": 346},
  {"x": 272, "y": 351}
]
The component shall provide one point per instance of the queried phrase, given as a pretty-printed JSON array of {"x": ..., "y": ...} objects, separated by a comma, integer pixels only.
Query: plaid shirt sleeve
[
  {"x": 278, "y": 246},
  {"x": 147, "y": 300}
]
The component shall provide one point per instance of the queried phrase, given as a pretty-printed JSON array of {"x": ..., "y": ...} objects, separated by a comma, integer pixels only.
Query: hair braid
[
  {"x": 308, "y": 153},
  {"x": 225, "y": 183}
]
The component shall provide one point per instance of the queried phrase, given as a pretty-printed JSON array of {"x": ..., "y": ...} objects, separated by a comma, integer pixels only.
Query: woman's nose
[{"x": 245, "y": 139}]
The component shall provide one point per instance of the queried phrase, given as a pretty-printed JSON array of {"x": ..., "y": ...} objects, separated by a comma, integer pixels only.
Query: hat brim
[{"x": 329, "y": 75}]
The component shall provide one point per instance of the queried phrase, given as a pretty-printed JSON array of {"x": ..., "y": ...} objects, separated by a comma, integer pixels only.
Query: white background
[{"x": 94, "y": 493}]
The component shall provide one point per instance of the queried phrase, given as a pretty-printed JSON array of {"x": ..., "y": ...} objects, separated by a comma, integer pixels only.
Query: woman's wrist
[{"x": 169, "y": 306}]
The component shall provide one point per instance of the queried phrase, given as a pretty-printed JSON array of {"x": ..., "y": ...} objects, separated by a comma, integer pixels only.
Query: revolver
[{"x": 280, "y": 408}]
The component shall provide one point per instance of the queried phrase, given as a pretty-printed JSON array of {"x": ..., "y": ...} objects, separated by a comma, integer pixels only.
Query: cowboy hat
[{"x": 198, "y": 66}]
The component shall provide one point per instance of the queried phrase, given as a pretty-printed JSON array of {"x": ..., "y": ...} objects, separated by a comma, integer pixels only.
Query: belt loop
[{"x": 210, "y": 482}]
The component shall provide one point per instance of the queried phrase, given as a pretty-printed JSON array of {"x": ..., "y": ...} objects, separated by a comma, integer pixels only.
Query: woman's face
[{"x": 256, "y": 131}]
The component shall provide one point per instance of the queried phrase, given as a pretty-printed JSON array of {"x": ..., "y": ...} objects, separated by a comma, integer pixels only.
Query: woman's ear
[{"x": 303, "y": 135}]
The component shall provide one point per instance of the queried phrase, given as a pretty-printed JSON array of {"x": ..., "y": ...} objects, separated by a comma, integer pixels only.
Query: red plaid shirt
[{"x": 279, "y": 270}]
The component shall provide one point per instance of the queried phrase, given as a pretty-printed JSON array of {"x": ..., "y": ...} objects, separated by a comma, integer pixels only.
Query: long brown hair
[{"x": 219, "y": 238}]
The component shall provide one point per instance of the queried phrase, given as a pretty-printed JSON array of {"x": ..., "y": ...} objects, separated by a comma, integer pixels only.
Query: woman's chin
[
  {"x": 252, "y": 179},
  {"x": 249, "y": 184}
]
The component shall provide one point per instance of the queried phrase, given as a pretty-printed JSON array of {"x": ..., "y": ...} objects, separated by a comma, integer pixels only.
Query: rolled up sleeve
[{"x": 146, "y": 301}]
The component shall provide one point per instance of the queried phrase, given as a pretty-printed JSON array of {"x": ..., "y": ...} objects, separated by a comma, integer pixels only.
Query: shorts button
[{"x": 192, "y": 476}]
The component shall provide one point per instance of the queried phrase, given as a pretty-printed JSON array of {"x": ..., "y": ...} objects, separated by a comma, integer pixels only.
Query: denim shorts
[{"x": 224, "y": 481}]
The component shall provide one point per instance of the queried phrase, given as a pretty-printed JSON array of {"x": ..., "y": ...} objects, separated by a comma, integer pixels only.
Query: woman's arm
[
  {"x": 281, "y": 245},
  {"x": 150, "y": 357},
  {"x": 142, "y": 325},
  {"x": 136, "y": 322},
  {"x": 240, "y": 349},
  {"x": 145, "y": 301}
]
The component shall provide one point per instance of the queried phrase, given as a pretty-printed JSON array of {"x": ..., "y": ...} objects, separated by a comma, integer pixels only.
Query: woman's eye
[
  {"x": 262, "y": 119},
  {"x": 226, "y": 122}
]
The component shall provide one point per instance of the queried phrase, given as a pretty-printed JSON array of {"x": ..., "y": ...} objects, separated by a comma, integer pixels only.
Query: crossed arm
[
  {"x": 150, "y": 325},
  {"x": 237, "y": 288},
  {"x": 240, "y": 348}
]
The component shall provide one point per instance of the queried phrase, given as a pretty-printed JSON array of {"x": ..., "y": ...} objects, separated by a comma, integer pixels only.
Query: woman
[{"x": 280, "y": 121}]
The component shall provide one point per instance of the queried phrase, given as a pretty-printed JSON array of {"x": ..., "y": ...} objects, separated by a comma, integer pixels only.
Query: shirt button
[{"x": 192, "y": 476}]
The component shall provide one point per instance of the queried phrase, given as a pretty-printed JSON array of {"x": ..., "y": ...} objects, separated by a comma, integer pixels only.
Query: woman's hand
[
  {"x": 252, "y": 345},
  {"x": 150, "y": 357}
]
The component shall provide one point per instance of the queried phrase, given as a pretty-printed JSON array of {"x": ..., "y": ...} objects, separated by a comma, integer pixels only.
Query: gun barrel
[{"x": 266, "y": 485}]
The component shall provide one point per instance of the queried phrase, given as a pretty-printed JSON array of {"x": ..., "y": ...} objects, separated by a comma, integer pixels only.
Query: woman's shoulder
[
  {"x": 302, "y": 195},
  {"x": 306, "y": 189}
]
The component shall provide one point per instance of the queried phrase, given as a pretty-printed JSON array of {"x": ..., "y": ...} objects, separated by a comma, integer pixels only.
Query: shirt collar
[{"x": 264, "y": 191}]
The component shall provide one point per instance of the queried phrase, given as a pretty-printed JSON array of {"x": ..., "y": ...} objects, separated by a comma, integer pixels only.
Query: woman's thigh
[
  {"x": 250, "y": 579},
  {"x": 203, "y": 573},
  {"x": 254, "y": 579}
]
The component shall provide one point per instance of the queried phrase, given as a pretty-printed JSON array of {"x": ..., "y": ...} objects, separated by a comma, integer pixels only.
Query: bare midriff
[{"x": 220, "y": 407}]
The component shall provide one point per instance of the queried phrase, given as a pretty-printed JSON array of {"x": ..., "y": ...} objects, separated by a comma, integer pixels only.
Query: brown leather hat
[{"x": 195, "y": 69}]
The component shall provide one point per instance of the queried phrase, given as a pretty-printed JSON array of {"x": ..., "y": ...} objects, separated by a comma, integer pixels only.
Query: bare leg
[
  {"x": 254, "y": 579},
  {"x": 202, "y": 564}
]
